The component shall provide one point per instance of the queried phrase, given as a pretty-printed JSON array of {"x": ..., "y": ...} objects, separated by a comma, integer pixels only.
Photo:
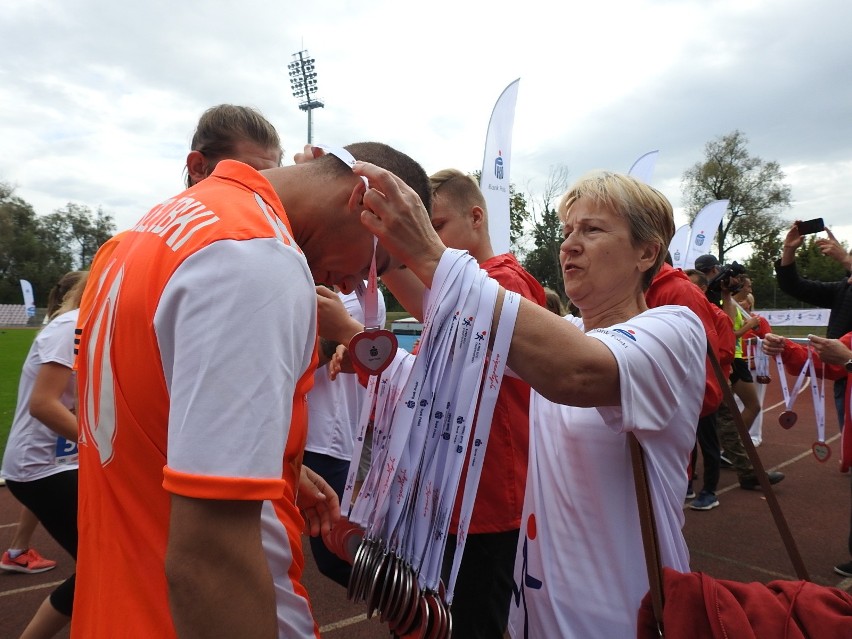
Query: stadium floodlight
[{"x": 303, "y": 82}]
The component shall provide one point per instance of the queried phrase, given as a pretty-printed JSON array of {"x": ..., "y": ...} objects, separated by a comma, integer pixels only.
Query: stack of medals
[
  {"x": 761, "y": 361},
  {"x": 422, "y": 411}
]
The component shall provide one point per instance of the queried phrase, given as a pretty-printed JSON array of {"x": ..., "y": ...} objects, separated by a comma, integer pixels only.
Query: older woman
[{"x": 580, "y": 568}]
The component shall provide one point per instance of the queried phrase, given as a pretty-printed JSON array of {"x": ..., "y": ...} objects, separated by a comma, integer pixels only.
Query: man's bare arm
[{"x": 218, "y": 577}]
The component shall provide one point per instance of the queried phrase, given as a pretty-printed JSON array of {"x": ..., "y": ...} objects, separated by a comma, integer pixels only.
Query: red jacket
[
  {"x": 700, "y": 607},
  {"x": 672, "y": 286}
]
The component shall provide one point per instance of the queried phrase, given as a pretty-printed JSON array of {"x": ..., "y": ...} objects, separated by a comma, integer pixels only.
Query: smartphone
[{"x": 811, "y": 226}]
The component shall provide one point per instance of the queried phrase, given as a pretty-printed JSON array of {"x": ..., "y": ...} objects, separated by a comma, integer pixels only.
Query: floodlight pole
[{"x": 303, "y": 82}]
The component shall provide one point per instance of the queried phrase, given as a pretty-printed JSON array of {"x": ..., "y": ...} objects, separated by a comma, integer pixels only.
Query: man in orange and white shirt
[{"x": 193, "y": 367}]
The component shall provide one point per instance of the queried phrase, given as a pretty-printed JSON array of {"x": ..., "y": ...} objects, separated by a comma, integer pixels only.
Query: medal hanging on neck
[
  {"x": 820, "y": 449},
  {"x": 373, "y": 349}
]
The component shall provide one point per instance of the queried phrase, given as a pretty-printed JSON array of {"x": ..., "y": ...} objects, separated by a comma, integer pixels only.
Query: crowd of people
[{"x": 182, "y": 383}]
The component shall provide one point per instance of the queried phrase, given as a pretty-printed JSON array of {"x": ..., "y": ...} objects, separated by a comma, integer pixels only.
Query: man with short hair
[
  {"x": 729, "y": 436},
  {"x": 193, "y": 370},
  {"x": 836, "y": 296}
]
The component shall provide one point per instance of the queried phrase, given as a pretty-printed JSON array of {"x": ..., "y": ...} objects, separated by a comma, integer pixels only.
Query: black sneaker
[
  {"x": 751, "y": 483},
  {"x": 724, "y": 462},
  {"x": 844, "y": 570},
  {"x": 690, "y": 493}
]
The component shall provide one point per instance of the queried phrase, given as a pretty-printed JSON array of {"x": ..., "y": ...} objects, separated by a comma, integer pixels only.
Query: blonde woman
[{"x": 40, "y": 461}]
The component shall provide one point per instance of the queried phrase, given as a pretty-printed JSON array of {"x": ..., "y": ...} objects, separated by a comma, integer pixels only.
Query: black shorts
[{"x": 740, "y": 372}]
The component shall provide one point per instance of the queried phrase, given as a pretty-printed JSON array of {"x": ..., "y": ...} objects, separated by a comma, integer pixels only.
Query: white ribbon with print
[
  {"x": 460, "y": 396},
  {"x": 414, "y": 400},
  {"x": 790, "y": 397},
  {"x": 761, "y": 360},
  {"x": 818, "y": 396},
  {"x": 482, "y": 430}
]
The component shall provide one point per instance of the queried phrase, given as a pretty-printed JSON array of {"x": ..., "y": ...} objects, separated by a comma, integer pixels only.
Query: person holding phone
[{"x": 836, "y": 296}]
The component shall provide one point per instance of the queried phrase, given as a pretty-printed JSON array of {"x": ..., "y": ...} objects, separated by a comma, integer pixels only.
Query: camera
[{"x": 726, "y": 279}]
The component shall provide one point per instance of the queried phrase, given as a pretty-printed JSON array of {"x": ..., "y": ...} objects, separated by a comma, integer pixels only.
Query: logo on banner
[
  {"x": 677, "y": 256},
  {"x": 498, "y": 166},
  {"x": 699, "y": 239}
]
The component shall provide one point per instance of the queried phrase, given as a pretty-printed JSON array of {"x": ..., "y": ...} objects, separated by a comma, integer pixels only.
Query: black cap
[{"x": 705, "y": 263}]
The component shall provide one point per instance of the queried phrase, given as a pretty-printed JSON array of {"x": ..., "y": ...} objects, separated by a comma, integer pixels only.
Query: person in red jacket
[
  {"x": 745, "y": 299},
  {"x": 836, "y": 354},
  {"x": 672, "y": 286}
]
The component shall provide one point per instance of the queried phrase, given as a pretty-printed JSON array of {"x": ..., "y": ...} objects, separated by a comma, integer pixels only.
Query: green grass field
[{"x": 14, "y": 346}]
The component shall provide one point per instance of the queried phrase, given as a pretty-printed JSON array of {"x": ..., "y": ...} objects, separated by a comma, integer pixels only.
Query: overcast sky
[{"x": 98, "y": 100}]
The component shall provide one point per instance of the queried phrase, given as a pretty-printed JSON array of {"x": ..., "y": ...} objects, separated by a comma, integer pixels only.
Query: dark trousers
[
  {"x": 333, "y": 471},
  {"x": 729, "y": 440},
  {"x": 53, "y": 500},
  {"x": 483, "y": 593},
  {"x": 840, "y": 399},
  {"x": 708, "y": 442}
]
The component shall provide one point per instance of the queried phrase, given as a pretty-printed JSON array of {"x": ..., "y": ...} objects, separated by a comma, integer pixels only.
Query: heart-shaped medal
[
  {"x": 821, "y": 451},
  {"x": 787, "y": 419},
  {"x": 372, "y": 350}
]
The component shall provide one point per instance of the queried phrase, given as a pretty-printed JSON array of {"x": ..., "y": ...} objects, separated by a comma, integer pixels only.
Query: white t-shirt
[
  {"x": 580, "y": 566},
  {"x": 334, "y": 407},
  {"x": 223, "y": 397},
  {"x": 33, "y": 450}
]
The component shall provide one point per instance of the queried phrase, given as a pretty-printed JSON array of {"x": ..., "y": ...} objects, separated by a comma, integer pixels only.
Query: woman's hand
[
  {"x": 773, "y": 344},
  {"x": 394, "y": 213}
]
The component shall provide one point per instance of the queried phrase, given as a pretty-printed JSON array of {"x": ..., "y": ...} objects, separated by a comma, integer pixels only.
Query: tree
[
  {"x": 753, "y": 187},
  {"x": 759, "y": 266},
  {"x": 542, "y": 261},
  {"x": 27, "y": 251},
  {"x": 41, "y": 249},
  {"x": 81, "y": 231}
]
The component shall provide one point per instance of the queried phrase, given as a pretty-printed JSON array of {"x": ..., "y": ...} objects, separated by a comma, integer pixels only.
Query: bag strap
[
  {"x": 648, "y": 522},
  {"x": 759, "y": 471}
]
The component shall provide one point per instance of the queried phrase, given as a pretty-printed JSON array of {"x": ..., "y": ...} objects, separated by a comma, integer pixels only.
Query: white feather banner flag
[
  {"x": 495, "y": 167},
  {"x": 679, "y": 246},
  {"x": 704, "y": 228},
  {"x": 643, "y": 168}
]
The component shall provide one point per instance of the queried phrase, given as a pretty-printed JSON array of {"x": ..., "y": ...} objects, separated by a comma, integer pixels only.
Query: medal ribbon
[
  {"x": 818, "y": 396},
  {"x": 790, "y": 397},
  {"x": 482, "y": 430},
  {"x": 464, "y": 389},
  {"x": 761, "y": 361}
]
